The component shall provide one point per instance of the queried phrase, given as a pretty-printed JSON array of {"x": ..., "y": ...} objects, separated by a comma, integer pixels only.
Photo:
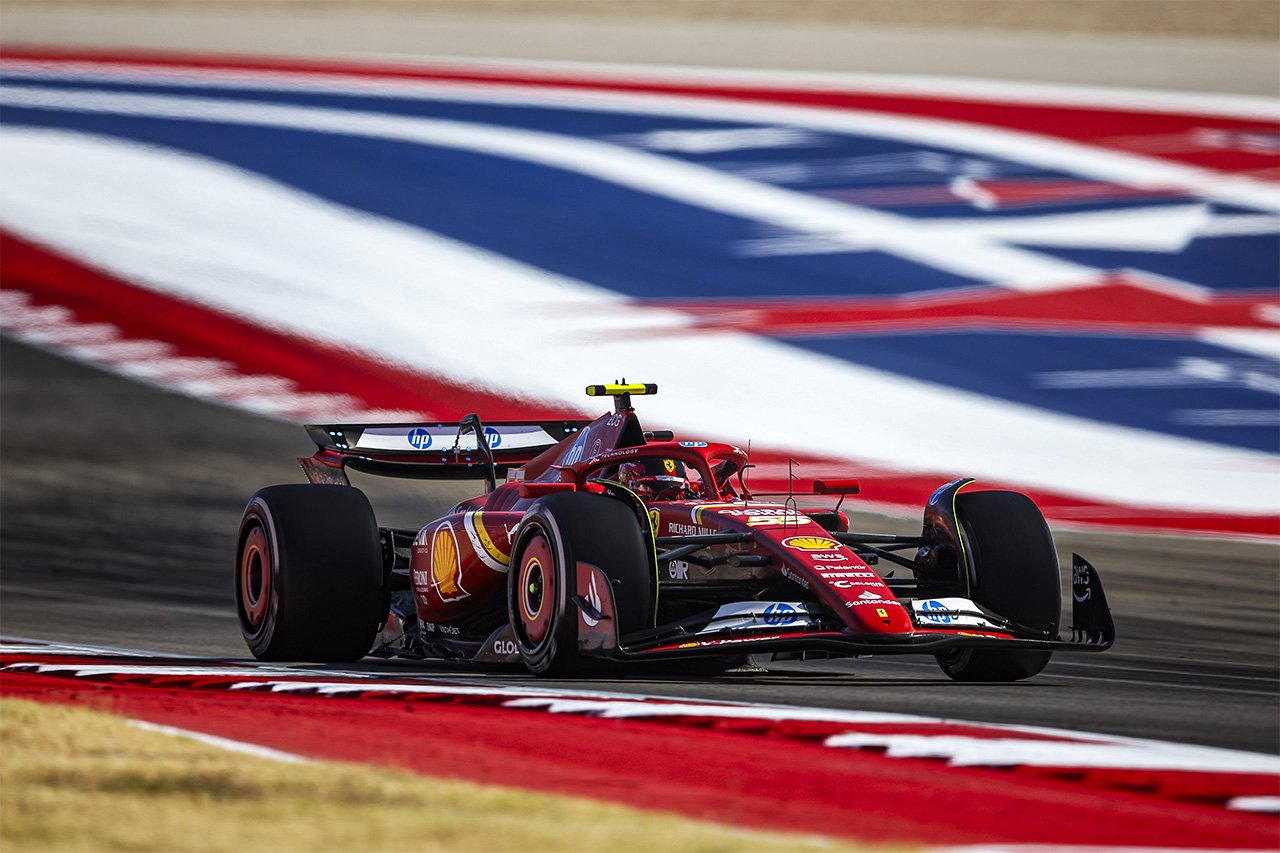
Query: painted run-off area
[
  {"x": 756, "y": 766},
  {"x": 76, "y": 779}
]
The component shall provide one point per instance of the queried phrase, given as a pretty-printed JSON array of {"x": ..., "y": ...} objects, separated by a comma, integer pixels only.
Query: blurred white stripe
[{"x": 213, "y": 234}]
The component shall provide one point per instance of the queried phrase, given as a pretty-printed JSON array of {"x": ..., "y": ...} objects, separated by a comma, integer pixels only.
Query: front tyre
[
  {"x": 1013, "y": 571},
  {"x": 308, "y": 574},
  {"x": 558, "y": 532}
]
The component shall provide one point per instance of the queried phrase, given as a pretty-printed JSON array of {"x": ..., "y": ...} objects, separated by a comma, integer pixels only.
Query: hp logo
[
  {"x": 779, "y": 614},
  {"x": 492, "y": 437},
  {"x": 944, "y": 618},
  {"x": 419, "y": 439}
]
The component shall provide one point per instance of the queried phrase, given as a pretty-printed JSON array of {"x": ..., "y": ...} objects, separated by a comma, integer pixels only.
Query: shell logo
[
  {"x": 811, "y": 543},
  {"x": 446, "y": 567}
]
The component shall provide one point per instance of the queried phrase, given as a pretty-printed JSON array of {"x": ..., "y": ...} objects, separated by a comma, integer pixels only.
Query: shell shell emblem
[
  {"x": 446, "y": 566},
  {"x": 811, "y": 543}
]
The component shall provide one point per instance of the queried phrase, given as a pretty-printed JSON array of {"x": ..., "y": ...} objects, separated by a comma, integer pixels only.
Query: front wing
[{"x": 1092, "y": 630}]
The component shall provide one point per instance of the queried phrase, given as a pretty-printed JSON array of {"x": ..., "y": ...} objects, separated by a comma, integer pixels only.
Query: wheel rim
[
  {"x": 536, "y": 593},
  {"x": 255, "y": 577}
]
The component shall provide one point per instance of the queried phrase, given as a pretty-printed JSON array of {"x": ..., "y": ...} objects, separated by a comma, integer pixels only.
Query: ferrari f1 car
[{"x": 598, "y": 543}]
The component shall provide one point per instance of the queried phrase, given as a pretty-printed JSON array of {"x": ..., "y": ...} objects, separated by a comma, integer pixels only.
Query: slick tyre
[
  {"x": 1013, "y": 571},
  {"x": 308, "y": 574},
  {"x": 558, "y": 532}
]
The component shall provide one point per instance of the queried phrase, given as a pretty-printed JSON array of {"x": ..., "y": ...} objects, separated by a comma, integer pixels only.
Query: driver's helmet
[{"x": 656, "y": 479}]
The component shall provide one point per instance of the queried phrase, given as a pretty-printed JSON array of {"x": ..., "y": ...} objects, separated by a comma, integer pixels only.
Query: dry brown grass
[{"x": 72, "y": 779}]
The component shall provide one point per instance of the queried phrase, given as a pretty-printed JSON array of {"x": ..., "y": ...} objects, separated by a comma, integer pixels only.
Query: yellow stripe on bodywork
[
  {"x": 486, "y": 549},
  {"x": 698, "y": 510},
  {"x": 964, "y": 557}
]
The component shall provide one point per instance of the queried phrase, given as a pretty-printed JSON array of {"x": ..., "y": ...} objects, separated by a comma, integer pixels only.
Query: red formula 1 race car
[{"x": 598, "y": 543}]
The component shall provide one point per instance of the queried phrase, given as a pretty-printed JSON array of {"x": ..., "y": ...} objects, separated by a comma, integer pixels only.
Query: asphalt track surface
[{"x": 119, "y": 505}]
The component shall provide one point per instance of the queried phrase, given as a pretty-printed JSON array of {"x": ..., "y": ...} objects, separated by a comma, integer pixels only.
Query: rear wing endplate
[{"x": 430, "y": 451}]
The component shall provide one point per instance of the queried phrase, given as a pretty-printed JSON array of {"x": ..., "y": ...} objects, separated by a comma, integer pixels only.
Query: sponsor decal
[
  {"x": 697, "y": 511},
  {"x": 690, "y": 529},
  {"x": 844, "y": 584},
  {"x": 949, "y": 611},
  {"x": 876, "y": 600},
  {"x": 693, "y": 444},
  {"x": 731, "y": 640},
  {"x": 784, "y": 520},
  {"x": 595, "y": 449},
  {"x": 1080, "y": 589},
  {"x": 766, "y": 520},
  {"x": 755, "y": 516},
  {"x": 446, "y": 564},
  {"x": 810, "y": 543},
  {"x": 869, "y": 595},
  {"x": 505, "y": 647},
  {"x": 613, "y": 454},
  {"x": 792, "y": 576},
  {"x": 434, "y": 627},
  {"x": 482, "y": 542},
  {"x": 832, "y": 558},
  {"x": 882, "y": 613},
  {"x": 424, "y": 437},
  {"x": 780, "y": 613},
  {"x": 574, "y": 456},
  {"x": 756, "y": 616},
  {"x": 927, "y": 611},
  {"x": 421, "y": 580},
  {"x": 827, "y": 572},
  {"x": 678, "y": 570},
  {"x": 655, "y": 519},
  {"x": 669, "y": 465}
]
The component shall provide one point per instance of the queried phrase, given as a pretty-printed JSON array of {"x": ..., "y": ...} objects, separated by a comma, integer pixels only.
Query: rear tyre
[
  {"x": 1014, "y": 572},
  {"x": 558, "y": 532},
  {"x": 308, "y": 574}
]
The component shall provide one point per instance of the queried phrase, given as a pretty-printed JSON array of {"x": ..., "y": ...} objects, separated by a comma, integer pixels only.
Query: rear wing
[{"x": 430, "y": 451}]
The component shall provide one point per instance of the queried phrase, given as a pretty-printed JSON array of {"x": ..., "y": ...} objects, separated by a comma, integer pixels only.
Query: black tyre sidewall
[
  {"x": 594, "y": 529},
  {"x": 1014, "y": 572},
  {"x": 258, "y": 515},
  {"x": 327, "y": 598}
]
